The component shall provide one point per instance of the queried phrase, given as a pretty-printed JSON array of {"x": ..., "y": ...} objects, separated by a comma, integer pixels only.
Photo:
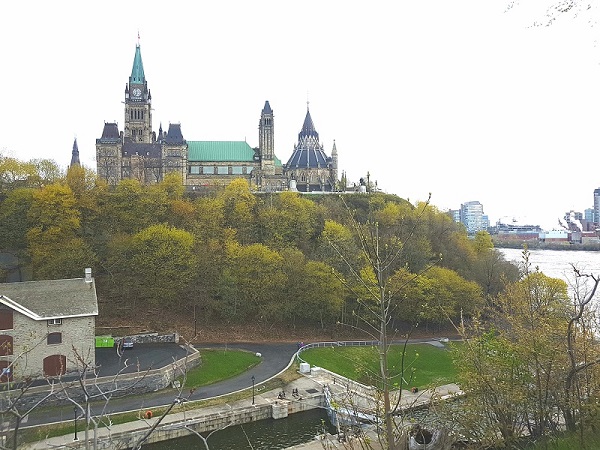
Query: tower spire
[
  {"x": 75, "y": 155},
  {"x": 137, "y": 71}
]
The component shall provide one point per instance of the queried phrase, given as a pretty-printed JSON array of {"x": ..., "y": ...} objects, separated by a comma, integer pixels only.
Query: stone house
[{"x": 45, "y": 326}]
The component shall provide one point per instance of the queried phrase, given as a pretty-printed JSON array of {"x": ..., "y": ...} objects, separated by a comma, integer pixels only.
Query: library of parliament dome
[{"x": 137, "y": 151}]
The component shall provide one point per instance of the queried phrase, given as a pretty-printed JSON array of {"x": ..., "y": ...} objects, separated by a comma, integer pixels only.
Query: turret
[{"x": 75, "y": 155}]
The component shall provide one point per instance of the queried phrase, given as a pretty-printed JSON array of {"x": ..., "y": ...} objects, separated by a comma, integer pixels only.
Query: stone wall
[{"x": 152, "y": 338}]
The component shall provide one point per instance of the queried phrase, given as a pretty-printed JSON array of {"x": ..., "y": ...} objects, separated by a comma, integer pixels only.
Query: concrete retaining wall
[{"x": 227, "y": 415}]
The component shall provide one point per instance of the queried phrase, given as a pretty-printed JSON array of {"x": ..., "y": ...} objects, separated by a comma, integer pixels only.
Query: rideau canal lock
[{"x": 316, "y": 388}]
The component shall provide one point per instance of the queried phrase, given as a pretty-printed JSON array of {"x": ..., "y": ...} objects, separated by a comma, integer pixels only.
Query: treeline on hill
[{"x": 237, "y": 256}]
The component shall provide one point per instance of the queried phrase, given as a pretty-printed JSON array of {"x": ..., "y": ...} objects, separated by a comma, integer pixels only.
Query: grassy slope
[
  {"x": 218, "y": 365},
  {"x": 424, "y": 364}
]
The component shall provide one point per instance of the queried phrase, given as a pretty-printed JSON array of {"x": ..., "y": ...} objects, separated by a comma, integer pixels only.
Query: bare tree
[
  {"x": 16, "y": 395},
  {"x": 88, "y": 389},
  {"x": 383, "y": 253},
  {"x": 581, "y": 330}
]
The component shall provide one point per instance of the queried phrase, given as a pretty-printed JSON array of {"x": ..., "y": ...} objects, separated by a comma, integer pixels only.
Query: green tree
[
  {"x": 313, "y": 292},
  {"x": 15, "y": 174},
  {"x": 163, "y": 261},
  {"x": 256, "y": 272},
  {"x": 494, "y": 375},
  {"x": 53, "y": 239},
  {"x": 46, "y": 172},
  {"x": 526, "y": 351},
  {"x": 289, "y": 220},
  {"x": 13, "y": 219},
  {"x": 239, "y": 209},
  {"x": 131, "y": 207}
]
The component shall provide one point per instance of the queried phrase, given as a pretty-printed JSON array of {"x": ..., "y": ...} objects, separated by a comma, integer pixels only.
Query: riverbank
[{"x": 540, "y": 245}]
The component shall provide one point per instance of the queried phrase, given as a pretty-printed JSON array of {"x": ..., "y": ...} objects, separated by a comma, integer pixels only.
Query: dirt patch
[{"x": 123, "y": 322}]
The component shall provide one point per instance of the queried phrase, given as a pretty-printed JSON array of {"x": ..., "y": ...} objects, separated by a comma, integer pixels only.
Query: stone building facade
[
  {"x": 136, "y": 151},
  {"x": 45, "y": 326}
]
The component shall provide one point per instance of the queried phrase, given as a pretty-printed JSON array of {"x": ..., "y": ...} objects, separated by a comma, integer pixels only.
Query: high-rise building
[
  {"x": 472, "y": 217},
  {"x": 597, "y": 205}
]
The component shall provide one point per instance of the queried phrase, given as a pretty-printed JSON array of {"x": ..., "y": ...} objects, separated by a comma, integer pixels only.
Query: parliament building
[{"x": 136, "y": 151}]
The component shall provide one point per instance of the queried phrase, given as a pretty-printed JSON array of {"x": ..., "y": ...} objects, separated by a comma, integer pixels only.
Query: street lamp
[
  {"x": 253, "y": 389},
  {"x": 75, "y": 420}
]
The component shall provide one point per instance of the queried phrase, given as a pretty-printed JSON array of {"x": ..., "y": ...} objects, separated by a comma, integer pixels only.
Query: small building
[
  {"x": 46, "y": 326},
  {"x": 555, "y": 236}
]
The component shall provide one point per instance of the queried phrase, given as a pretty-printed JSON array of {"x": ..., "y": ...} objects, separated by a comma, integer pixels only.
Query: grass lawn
[
  {"x": 218, "y": 365},
  {"x": 424, "y": 364}
]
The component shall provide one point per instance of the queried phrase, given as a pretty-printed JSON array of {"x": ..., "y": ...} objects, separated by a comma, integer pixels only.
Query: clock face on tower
[{"x": 137, "y": 92}]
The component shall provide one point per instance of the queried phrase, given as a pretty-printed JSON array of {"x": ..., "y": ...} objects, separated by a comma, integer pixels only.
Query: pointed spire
[
  {"x": 75, "y": 155},
  {"x": 308, "y": 128},
  {"x": 137, "y": 71},
  {"x": 267, "y": 109}
]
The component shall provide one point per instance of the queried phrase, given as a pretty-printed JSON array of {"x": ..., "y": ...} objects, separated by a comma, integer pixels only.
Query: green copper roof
[
  {"x": 221, "y": 151},
  {"x": 137, "y": 72}
]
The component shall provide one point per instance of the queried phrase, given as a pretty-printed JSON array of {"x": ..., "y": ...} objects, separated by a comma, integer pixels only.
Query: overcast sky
[{"x": 465, "y": 99}]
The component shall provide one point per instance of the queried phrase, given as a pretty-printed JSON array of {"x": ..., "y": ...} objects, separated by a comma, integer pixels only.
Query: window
[
  {"x": 54, "y": 338},
  {"x": 236, "y": 170},
  {"x": 6, "y": 319},
  {"x": 222, "y": 170},
  {"x": 195, "y": 170},
  {"x": 55, "y": 322},
  {"x": 6, "y": 345}
]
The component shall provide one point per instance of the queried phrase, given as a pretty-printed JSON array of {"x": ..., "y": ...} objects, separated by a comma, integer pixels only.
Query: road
[{"x": 275, "y": 358}]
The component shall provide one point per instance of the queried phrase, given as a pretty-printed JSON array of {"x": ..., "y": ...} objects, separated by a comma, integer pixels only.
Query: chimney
[{"x": 88, "y": 275}]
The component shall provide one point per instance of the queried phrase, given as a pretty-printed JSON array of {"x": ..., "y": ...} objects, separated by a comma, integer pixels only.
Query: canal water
[{"x": 269, "y": 434}]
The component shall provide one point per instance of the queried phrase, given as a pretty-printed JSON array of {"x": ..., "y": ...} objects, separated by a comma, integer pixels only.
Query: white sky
[{"x": 460, "y": 99}]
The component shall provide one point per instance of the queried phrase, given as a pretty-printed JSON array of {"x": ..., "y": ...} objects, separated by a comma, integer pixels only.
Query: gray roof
[
  {"x": 51, "y": 299},
  {"x": 142, "y": 149},
  {"x": 174, "y": 135},
  {"x": 110, "y": 134},
  {"x": 308, "y": 153}
]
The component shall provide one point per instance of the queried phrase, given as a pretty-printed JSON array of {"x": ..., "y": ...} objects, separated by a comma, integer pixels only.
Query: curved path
[{"x": 275, "y": 358}]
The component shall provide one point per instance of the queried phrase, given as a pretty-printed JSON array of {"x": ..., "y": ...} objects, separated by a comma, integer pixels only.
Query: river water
[{"x": 557, "y": 263}]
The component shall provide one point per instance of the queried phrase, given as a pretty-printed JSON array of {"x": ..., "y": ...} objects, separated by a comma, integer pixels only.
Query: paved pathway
[{"x": 275, "y": 358}]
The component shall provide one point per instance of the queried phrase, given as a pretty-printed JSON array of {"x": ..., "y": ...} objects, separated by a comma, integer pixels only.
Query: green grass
[
  {"x": 218, "y": 365},
  {"x": 424, "y": 364},
  {"x": 570, "y": 441}
]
